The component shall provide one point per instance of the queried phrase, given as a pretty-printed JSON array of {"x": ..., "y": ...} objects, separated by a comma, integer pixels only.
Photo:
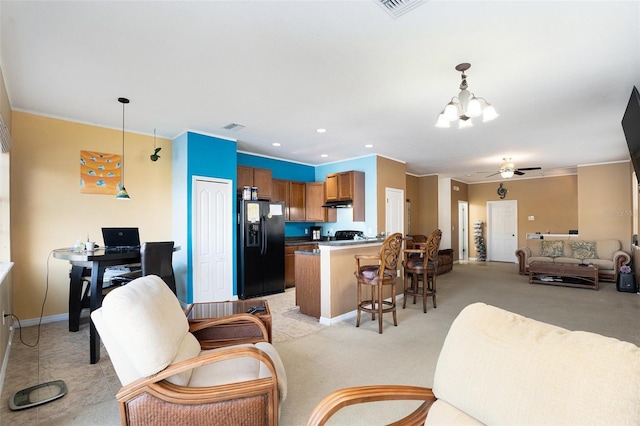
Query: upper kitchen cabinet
[
  {"x": 253, "y": 176},
  {"x": 342, "y": 186},
  {"x": 293, "y": 195},
  {"x": 315, "y": 196},
  {"x": 332, "y": 187},
  {"x": 297, "y": 201},
  {"x": 347, "y": 186}
]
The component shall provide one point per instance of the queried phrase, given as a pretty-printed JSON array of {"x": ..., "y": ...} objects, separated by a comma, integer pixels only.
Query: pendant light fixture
[
  {"x": 122, "y": 193},
  {"x": 465, "y": 106}
]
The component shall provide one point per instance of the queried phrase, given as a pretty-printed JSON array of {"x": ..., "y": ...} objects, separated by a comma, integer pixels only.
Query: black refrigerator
[{"x": 260, "y": 248}]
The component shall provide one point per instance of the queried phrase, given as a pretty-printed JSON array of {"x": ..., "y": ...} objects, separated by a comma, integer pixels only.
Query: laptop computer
[{"x": 121, "y": 239}]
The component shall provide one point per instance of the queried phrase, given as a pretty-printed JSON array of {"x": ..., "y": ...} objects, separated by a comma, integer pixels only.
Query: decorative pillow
[
  {"x": 584, "y": 249},
  {"x": 552, "y": 248}
]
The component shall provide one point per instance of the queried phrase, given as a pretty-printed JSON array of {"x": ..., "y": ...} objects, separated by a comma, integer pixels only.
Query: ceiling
[{"x": 558, "y": 73}]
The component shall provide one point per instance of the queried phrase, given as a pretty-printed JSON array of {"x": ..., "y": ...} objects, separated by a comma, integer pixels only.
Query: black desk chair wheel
[{"x": 156, "y": 258}]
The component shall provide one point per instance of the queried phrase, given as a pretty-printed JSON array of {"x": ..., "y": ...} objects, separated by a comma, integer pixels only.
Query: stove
[{"x": 348, "y": 235}]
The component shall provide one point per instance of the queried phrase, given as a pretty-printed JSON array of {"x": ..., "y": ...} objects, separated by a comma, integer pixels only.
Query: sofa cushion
[
  {"x": 606, "y": 248},
  {"x": 584, "y": 249},
  {"x": 539, "y": 259},
  {"x": 502, "y": 368},
  {"x": 552, "y": 248}
]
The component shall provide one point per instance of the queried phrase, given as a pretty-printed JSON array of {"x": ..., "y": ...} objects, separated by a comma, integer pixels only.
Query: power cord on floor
[{"x": 46, "y": 292}]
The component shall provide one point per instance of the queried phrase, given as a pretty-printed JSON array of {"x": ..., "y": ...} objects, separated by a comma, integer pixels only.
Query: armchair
[
  {"x": 497, "y": 367},
  {"x": 169, "y": 379}
]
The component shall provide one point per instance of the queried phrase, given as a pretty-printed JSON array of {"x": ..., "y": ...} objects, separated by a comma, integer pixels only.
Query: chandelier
[{"x": 465, "y": 106}]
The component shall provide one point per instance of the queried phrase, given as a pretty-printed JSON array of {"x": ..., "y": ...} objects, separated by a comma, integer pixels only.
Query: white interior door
[
  {"x": 502, "y": 230},
  {"x": 463, "y": 230},
  {"x": 394, "y": 211},
  {"x": 212, "y": 240}
]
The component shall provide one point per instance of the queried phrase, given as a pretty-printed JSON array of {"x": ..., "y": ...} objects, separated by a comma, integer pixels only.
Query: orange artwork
[{"x": 99, "y": 173}]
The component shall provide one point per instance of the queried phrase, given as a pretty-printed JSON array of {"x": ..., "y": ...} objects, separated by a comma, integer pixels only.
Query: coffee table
[
  {"x": 564, "y": 274},
  {"x": 228, "y": 334}
]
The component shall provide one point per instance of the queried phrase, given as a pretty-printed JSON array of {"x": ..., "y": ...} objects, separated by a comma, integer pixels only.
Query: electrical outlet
[{"x": 306, "y": 231}]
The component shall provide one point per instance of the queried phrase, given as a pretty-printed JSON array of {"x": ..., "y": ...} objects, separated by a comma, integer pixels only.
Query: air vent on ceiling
[
  {"x": 5, "y": 137},
  {"x": 233, "y": 126},
  {"x": 396, "y": 8}
]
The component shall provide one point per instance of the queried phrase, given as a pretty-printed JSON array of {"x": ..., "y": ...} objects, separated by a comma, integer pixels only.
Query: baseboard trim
[
  {"x": 5, "y": 361},
  {"x": 45, "y": 320},
  {"x": 348, "y": 315}
]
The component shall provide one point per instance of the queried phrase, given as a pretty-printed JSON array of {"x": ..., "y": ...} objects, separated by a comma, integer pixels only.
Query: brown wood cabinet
[
  {"x": 315, "y": 197},
  {"x": 341, "y": 186},
  {"x": 297, "y": 202},
  {"x": 294, "y": 195},
  {"x": 332, "y": 187},
  {"x": 347, "y": 186},
  {"x": 308, "y": 291},
  {"x": 290, "y": 263},
  {"x": 252, "y": 176}
]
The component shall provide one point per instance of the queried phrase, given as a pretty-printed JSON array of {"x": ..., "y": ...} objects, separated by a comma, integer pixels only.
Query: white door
[
  {"x": 502, "y": 230},
  {"x": 463, "y": 230},
  {"x": 394, "y": 211},
  {"x": 212, "y": 240}
]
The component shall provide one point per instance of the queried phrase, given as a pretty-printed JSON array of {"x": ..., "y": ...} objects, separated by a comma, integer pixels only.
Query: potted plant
[{"x": 626, "y": 281}]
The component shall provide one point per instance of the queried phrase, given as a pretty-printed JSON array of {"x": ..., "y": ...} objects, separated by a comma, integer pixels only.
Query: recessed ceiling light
[
  {"x": 324, "y": 156},
  {"x": 275, "y": 144},
  {"x": 368, "y": 145},
  {"x": 321, "y": 130}
]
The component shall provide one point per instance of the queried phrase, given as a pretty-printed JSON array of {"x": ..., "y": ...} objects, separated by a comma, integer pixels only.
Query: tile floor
[{"x": 62, "y": 355}]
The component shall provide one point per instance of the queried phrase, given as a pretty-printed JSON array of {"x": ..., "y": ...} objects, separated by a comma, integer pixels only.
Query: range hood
[{"x": 338, "y": 204}]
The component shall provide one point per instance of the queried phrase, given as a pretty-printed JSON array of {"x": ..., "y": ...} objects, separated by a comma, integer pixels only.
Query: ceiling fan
[{"x": 508, "y": 169}]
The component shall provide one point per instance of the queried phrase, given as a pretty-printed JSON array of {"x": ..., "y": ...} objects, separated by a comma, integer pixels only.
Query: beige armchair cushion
[
  {"x": 529, "y": 372},
  {"x": 161, "y": 325}
]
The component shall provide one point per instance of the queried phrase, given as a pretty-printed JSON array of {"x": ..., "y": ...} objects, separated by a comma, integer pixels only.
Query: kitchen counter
[
  {"x": 314, "y": 252},
  {"x": 343, "y": 243}
]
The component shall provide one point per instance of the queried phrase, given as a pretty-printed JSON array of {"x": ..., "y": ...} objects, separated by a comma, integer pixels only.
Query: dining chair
[
  {"x": 375, "y": 272},
  {"x": 156, "y": 258},
  {"x": 421, "y": 265}
]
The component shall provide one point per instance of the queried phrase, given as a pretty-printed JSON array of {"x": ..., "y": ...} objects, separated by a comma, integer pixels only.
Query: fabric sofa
[
  {"x": 500, "y": 368},
  {"x": 607, "y": 255},
  {"x": 445, "y": 261}
]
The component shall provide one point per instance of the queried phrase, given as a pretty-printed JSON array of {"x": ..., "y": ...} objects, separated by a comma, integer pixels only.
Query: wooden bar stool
[
  {"x": 376, "y": 276},
  {"x": 421, "y": 264}
]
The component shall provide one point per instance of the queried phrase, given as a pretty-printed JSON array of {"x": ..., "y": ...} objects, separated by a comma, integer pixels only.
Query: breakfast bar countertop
[{"x": 342, "y": 243}]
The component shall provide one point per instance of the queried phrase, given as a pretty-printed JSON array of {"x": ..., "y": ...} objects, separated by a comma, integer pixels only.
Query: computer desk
[{"x": 98, "y": 260}]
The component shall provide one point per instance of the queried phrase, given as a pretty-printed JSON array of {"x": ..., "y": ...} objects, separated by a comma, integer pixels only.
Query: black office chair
[{"x": 156, "y": 258}]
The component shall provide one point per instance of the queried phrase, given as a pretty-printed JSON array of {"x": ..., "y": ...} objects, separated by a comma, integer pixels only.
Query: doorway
[
  {"x": 212, "y": 241},
  {"x": 394, "y": 211},
  {"x": 463, "y": 231},
  {"x": 502, "y": 230}
]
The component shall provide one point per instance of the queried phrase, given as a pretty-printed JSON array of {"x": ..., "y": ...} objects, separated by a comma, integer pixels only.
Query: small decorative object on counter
[
  {"x": 479, "y": 239},
  {"x": 626, "y": 280},
  {"x": 254, "y": 193},
  {"x": 246, "y": 193}
]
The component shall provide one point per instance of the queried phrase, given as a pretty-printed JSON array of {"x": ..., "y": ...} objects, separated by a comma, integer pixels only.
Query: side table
[{"x": 228, "y": 334}]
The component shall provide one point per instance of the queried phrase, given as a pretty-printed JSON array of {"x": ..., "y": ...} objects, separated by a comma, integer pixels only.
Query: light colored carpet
[{"x": 319, "y": 359}]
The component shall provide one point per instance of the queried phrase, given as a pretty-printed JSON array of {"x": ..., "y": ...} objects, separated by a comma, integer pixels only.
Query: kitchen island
[{"x": 325, "y": 284}]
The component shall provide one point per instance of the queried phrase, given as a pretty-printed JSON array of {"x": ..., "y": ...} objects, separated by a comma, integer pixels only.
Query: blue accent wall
[
  {"x": 213, "y": 157},
  {"x": 286, "y": 170},
  {"x": 368, "y": 165}
]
